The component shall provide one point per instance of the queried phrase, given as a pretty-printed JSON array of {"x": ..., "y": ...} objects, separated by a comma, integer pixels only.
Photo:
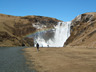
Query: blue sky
[{"x": 65, "y": 10}]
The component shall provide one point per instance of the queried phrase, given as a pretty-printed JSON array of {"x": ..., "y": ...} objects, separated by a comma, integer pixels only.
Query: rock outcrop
[
  {"x": 83, "y": 31},
  {"x": 13, "y": 29}
]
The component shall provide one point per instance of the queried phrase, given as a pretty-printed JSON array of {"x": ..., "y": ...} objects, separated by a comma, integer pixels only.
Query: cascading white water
[{"x": 59, "y": 35}]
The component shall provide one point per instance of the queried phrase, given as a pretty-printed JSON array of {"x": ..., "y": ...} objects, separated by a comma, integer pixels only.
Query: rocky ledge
[
  {"x": 83, "y": 30},
  {"x": 13, "y": 29}
]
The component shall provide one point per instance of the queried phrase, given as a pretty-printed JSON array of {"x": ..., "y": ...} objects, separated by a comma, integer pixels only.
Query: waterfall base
[{"x": 55, "y": 37}]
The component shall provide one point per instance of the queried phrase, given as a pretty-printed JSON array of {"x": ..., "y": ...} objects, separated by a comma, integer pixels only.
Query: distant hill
[
  {"x": 13, "y": 29},
  {"x": 83, "y": 30}
]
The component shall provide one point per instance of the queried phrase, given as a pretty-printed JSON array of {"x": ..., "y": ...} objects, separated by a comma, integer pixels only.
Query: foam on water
[{"x": 56, "y": 37}]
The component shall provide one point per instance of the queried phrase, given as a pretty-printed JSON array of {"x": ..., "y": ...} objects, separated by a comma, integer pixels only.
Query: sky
[{"x": 65, "y": 10}]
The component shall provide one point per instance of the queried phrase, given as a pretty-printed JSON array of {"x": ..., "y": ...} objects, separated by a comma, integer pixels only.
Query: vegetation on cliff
[
  {"x": 83, "y": 30},
  {"x": 13, "y": 29}
]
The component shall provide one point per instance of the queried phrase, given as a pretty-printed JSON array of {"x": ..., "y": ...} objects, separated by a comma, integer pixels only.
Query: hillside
[
  {"x": 13, "y": 29},
  {"x": 83, "y": 31}
]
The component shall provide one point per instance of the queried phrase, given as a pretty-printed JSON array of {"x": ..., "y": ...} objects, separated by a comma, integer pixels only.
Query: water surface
[{"x": 12, "y": 60}]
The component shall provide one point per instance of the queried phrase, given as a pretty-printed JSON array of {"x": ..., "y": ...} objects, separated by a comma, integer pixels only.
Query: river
[{"x": 13, "y": 60}]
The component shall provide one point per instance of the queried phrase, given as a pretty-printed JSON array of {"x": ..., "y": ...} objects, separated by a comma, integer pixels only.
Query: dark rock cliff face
[
  {"x": 83, "y": 30},
  {"x": 13, "y": 29}
]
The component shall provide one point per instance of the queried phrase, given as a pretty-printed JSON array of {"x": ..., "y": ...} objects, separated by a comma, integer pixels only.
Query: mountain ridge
[
  {"x": 13, "y": 29},
  {"x": 83, "y": 30}
]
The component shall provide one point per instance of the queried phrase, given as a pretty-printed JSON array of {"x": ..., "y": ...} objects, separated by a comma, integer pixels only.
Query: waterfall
[{"x": 55, "y": 37}]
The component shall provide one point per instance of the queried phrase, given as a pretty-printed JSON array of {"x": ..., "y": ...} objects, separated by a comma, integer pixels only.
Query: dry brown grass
[
  {"x": 18, "y": 27},
  {"x": 68, "y": 59},
  {"x": 83, "y": 32}
]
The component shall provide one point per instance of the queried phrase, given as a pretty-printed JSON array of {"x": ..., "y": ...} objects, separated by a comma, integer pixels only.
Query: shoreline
[{"x": 66, "y": 59}]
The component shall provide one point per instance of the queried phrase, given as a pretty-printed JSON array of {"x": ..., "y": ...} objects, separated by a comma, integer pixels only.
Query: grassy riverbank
[{"x": 68, "y": 59}]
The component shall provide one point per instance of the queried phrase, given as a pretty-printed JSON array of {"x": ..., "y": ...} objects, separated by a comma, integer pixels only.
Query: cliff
[
  {"x": 13, "y": 29},
  {"x": 83, "y": 31}
]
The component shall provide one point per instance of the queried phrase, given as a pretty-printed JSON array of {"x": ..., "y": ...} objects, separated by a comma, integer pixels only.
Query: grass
[{"x": 68, "y": 59}]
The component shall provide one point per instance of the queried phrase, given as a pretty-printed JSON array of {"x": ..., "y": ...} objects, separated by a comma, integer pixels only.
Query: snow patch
[{"x": 39, "y": 26}]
